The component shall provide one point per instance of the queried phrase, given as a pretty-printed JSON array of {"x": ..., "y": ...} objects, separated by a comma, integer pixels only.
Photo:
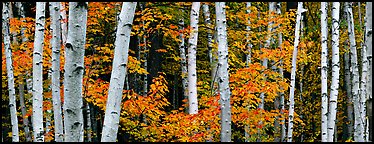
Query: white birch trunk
[
  {"x": 248, "y": 29},
  {"x": 192, "y": 75},
  {"x": 368, "y": 44},
  {"x": 74, "y": 68},
  {"x": 248, "y": 58},
  {"x": 363, "y": 87},
  {"x": 10, "y": 75},
  {"x": 280, "y": 41},
  {"x": 55, "y": 85},
  {"x": 64, "y": 24},
  {"x": 13, "y": 33},
  {"x": 37, "y": 88},
  {"x": 358, "y": 126},
  {"x": 182, "y": 52},
  {"x": 223, "y": 75},
  {"x": 21, "y": 12},
  {"x": 113, "y": 106},
  {"x": 300, "y": 10},
  {"x": 335, "y": 72},
  {"x": 208, "y": 24}
]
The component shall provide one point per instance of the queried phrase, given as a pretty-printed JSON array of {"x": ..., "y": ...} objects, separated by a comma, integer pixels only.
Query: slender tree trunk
[
  {"x": 335, "y": 72},
  {"x": 56, "y": 46},
  {"x": 368, "y": 44},
  {"x": 13, "y": 33},
  {"x": 282, "y": 109},
  {"x": 145, "y": 87},
  {"x": 363, "y": 88},
  {"x": 300, "y": 10},
  {"x": 183, "y": 62},
  {"x": 223, "y": 75},
  {"x": 248, "y": 59},
  {"x": 358, "y": 126},
  {"x": 74, "y": 68},
  {"x": 10, "y": 76},
  {"x": 64, "y": 23},
  {"x": 324, "y": 103},
  {"x": 37, "y": 87},
  {"x": 208, "y": 24},
  {"x": 192, "y": 75},
  {"x": 22, "y": 91},
  {"x": 48, "y": 111},
  {"x": 89, "y": 125},
  {"x": 347, "y": 82},
  {"x": 113, "y": 107},
  {"x": 23, "y": 109}
]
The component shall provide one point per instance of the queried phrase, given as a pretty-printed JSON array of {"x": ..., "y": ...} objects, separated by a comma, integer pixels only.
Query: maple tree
[{"x": 154, "y": 100}]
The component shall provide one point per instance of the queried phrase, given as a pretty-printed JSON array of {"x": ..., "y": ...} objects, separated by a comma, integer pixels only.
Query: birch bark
[
  {"x": 56, "y": 46},
  {"x": 122, "y": 42},
  {"x": 335, "y": 72},
  {"x": 358, "y": 127},
  {"x": 192, "y": 75},
  {"x": 10, "y": 75},
  {"x": 223, "y": 75},
  {"x": 74, "y": 68},
  {"x": 300, "y": 10},
  {"x": 37, "y": 88}
]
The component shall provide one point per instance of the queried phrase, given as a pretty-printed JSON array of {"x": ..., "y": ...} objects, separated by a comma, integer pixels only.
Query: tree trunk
[
  {"x": 183, "y": 62},
  {"x": 248, "y": 59},
  {"x": 324, "y": 103},
  {"x": 23, "y": 109},
  {"x": 358, "y": 126},
  {"x": 363, "y": 88},
  {"x": 56, "y": 46},
  {"x": 335, "y": 72},
  {"x": 37, "y": 87},
  {"x": 300, "y": 10},
  {"x": 89, "y": 128},
  {"x": 145, "y": 87},
  {"x": 208, "y": 24},
  {"x": 347, "y": 82},
  {"x": 113, "y": 107},
  {"x": 192, "y": 75},
  {"x": 64, "y": 23},
  {"x": 368, "y": 44},
  {"x": 10, "y": 75},
  {"x": 280, "y": 41},
  {"x": 74, "y": 68},
  {"x": 223, "y": 75}
]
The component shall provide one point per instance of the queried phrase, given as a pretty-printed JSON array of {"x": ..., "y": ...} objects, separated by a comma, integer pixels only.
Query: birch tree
[
  {"x": 223, "y": 75},
  {"x": 368, "y": 48},
  {"x": 358, "y": 126},
  {"x": 363, "y": 88},
  {"x": 25, "y": 120},
  {"x": 122, "y": 42},
  {"x": 182, "y": 52},
  {"x": 208, "y": 24},
  {"x": 280, "y": 41},
  {"x": 64, "y": 26},
  {"x": 9, "y": 67},
  {"x": 248, "y": 56},
  {"x": 324, "y": 103},
  {"x": 56, "y": 46},
  {"x": 145, "y": 87},
  {"x": 192, "y": 75},
  {"x": 300, "y": 10},
  {"x": 74, "y": 68},
  {"x": 37, "y": 87},
  {"x": 335, "y": 72}
]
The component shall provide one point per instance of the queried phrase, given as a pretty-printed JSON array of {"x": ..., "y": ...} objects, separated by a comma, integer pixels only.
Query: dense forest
[{"x": 186, "y": 72}]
